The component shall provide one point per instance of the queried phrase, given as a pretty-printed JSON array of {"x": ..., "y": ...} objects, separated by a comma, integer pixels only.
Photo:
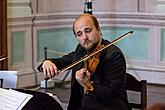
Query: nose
[{"x": 85, "y": 35}]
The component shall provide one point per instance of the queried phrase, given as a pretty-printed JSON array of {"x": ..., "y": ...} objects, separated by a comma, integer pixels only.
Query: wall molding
[
  {"x": 20, "y": 22},
  {"x": 104, "y": 18},
  {"x": 108, "y": 17}
]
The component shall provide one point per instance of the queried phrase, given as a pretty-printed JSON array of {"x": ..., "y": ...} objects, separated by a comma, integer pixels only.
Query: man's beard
[{"x": 92, "y": 48}]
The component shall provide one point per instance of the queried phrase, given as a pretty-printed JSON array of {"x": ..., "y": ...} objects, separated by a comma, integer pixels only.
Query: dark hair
[{"x": 93, "y": 18}]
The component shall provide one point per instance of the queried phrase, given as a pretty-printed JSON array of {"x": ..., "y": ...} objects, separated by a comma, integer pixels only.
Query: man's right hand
[{"x": 50, "y": 69}]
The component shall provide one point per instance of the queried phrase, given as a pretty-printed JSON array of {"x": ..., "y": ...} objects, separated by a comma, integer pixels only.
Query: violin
[
  {"x": 90, "y": 65},
  {"x": 93, "y": 61}
]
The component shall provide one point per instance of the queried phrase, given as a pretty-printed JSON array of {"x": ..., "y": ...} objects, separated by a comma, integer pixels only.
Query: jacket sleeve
[{"x": 59, "y": 62}]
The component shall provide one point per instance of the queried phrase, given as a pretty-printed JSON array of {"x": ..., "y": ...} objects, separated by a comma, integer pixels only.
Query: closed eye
[
  {"x": 88, "y": 30},
  {"x": 79, "y": 33}
]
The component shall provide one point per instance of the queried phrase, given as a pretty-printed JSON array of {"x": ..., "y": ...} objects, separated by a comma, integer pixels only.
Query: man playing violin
[{"x": 101, "y": 88}]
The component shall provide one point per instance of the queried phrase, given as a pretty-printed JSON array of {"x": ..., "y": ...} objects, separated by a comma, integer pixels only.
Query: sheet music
[{"x": 13, "y": 100}]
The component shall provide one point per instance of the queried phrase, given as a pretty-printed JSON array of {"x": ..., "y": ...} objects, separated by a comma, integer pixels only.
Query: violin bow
[{"x": 93, "y": 53}]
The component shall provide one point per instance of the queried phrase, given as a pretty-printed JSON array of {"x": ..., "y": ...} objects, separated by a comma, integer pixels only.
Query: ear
[{"x": 99, "y": 29}]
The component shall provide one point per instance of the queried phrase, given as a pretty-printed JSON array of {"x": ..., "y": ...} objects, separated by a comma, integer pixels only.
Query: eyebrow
[{"x": 87, "y": 28}]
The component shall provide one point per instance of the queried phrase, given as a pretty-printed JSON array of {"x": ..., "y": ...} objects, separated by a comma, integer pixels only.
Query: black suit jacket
[{"x": 109, "y": 81}]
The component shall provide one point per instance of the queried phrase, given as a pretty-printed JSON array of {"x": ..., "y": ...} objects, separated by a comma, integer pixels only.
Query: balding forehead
[
  {"x": 87, "y": 16},
  {"x": 83, "y": 17}
]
